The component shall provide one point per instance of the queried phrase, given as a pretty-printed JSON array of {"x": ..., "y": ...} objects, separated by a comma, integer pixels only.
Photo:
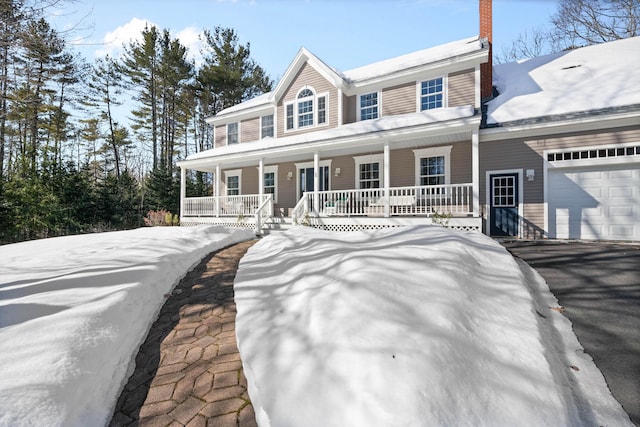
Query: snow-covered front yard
[
  {"x": 74, "y": 310},
  {"x": 405, "y": 327},
  {"x": 415, "y": 326}
]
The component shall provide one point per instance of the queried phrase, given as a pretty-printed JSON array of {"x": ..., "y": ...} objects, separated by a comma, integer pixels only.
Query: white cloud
[
  {"x": 132, "y": 30},
  {"x": 190, "y": 37},
  {"x": 113, "y": 40}
]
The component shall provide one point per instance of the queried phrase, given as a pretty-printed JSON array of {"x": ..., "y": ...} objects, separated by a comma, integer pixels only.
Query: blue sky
[{"x": 345, "y": 34}]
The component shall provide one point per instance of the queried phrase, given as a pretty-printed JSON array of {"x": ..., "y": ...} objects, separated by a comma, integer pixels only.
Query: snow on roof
[
  {"x": 381, "y": 68},
  {"x": 414, "y": 59},
  {"x": 351, "y": 129},
  {"x": 253, "y": 102},
  {"x": 591, "y": 78}
]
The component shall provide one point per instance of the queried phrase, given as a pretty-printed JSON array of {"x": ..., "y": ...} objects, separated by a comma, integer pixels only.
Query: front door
[
  {"x": 306, "y": 179},
  {"x": 504, "y": 216}
]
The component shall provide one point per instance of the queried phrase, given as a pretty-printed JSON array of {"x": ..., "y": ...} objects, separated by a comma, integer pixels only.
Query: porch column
[
  {"x": 475, "y": 172},
  {"x": 217, "y": 189},
  {"x": 386, "y": 176},
  {"x": 183, "y": 189},
  {"x": 260, "y": 180},
  {"x": 316, "y": 183}
]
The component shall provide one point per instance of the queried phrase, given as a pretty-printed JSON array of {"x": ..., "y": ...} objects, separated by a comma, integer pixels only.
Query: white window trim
[
  {"x": 273, "y": 124},
  {"x": 372, "y": 158},
  {"x": 229, "y": 173},
  {"x": 294, "y": 102},
  {"x": 434, "y": 152},
  {"x": 227, "y": 129},
  {"x": 359, "y": 109},
  {"x": 445, "y": 92},
  {"x": 272, "y": 169}
]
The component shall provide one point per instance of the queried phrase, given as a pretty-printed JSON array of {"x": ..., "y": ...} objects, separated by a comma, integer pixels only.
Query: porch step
[{"x": 276, "y": 224}]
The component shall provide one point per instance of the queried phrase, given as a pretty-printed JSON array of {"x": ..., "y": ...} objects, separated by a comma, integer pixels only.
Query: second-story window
[
  {"x": 369, "y": 106},
  {"x": 431, "y": 94},
  {"x": 267, "y": 126},
  {"x": 322, "y": 110},
  {"x": 290, "y": 121},
  {"x": 305, "y": 108},
  {"x": 232, "y": 133}
]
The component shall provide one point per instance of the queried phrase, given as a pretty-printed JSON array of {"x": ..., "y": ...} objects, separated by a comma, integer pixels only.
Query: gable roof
[
  {"x": 347, "y": 80},
  {"x": 597, "y": 78},
  {"x": 413, "y": 60}
]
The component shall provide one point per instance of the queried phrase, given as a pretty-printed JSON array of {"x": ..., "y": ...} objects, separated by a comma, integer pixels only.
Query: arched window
[{"x": 305, "y": 108}]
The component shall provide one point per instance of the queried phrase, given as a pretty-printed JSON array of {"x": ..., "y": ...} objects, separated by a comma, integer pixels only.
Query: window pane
[
  {"x": 267, "y": 126},
  {"x": 290, "y": 116},
  {"x": 431, "y": 94},
  {"x": 305, "y": 93},
  {"x": 432, "y": 170},
  {"x": 232, "y": 133},
  {"x": 322, "y": 110},
  {"x": 369, "y": 106}
]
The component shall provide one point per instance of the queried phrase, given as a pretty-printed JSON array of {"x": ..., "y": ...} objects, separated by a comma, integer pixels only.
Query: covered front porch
[{"x": 426, "y": 175}]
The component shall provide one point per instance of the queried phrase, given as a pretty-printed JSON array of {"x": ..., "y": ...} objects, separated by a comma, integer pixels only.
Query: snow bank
[
  {"x": 405, "y": 327},
  {"x": 74, "y": 310}
]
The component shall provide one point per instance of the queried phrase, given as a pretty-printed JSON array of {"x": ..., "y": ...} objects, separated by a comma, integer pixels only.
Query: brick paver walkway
[{"x": 188, "y": 371}]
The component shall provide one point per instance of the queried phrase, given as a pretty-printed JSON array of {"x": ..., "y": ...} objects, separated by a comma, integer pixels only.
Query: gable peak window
[{"x": 307, "y": 110}]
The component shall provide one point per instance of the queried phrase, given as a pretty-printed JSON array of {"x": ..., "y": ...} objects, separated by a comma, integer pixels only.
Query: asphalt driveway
[{"x": 599, "y": 286}]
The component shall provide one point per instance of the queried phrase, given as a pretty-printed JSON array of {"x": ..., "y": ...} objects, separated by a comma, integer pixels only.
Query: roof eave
[{"x": 580, "y": 122}]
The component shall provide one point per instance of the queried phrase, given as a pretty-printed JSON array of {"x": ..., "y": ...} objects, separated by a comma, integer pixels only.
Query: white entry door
[{"x": 595, "y": 203}]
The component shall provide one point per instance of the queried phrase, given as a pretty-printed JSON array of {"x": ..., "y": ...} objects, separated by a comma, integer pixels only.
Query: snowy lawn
[
  {"x": 417, "y": 326},
  {"x": 74, "y": 310}
]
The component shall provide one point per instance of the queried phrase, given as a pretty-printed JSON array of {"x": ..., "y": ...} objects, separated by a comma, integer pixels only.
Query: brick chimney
[{"x": 486, "y": 30}]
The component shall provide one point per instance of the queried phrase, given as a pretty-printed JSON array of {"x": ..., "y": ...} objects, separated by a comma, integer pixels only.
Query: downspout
[
  {"x": 316, "y": 184},
  {"x": 475, "y": 172},
  {"x": 386, "y": 161},
  {"x": 217, "y": 190},
  {"x": 183, "y": 190}
]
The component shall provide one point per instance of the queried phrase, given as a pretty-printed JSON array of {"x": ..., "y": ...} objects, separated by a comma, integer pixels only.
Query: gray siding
[
  {"x": 308, "y": 76},
  {"x": 250, "y": 130},
  {"x": 462, "y": 88},
  {"x": 349, "y": 109},
  {"x": 528, "y": 154},
  {"x": 399, "y": 99},
  {"x": 220, "y": 136}
]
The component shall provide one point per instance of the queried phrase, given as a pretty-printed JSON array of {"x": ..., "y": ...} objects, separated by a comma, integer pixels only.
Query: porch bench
[
  {"x": 337, "y": 207},
  {"x": 397, "y": 204}
]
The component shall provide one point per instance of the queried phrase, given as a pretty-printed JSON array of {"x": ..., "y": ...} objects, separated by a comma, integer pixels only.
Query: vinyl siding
[
  {"x": 349, "y": 109},
  {"x": 402, "y": 167},
  {"x": 462, "y": 88},
  {"x": 250, "y": 130},
  {"x": 308, "y": 76},
  {"x": 528, "y": 154},
  {"x": 220, "y": 136},
  {"x": 399, "y": 99}
]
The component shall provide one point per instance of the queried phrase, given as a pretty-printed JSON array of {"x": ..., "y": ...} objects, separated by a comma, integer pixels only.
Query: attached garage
[{"x": 598, "y": 201}]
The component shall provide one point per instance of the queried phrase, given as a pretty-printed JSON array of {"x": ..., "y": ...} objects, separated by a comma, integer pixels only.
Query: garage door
[{"x": 595, "y": 203}]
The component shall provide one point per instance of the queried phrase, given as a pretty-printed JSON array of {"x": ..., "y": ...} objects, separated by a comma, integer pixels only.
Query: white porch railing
[
  {"x": 238, "y": 206},
  {"x": 454, "y": 199}
]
